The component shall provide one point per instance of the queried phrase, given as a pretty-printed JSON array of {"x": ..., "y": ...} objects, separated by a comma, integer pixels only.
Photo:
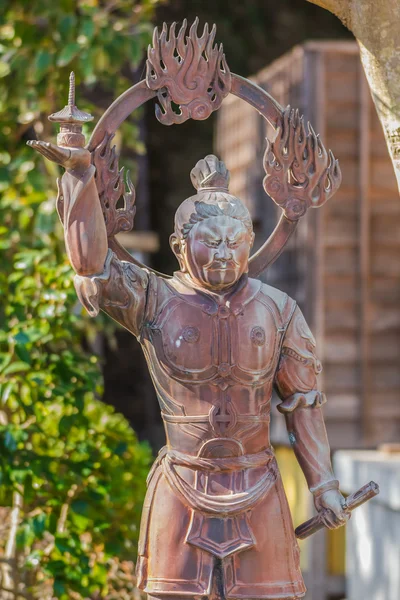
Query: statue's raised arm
[
  {"x": 87, "y": 206},
  {"x": 78, "y": 205}
]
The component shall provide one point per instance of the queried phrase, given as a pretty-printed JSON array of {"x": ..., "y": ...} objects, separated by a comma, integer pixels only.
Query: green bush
[{"x": 72, "y": 474}]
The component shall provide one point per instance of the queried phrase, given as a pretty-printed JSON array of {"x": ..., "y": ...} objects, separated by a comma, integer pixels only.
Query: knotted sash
[{"x": 223, "y": 504}]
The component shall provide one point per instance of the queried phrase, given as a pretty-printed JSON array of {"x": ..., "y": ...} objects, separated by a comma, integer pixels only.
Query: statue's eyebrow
[
  {"x": 237, "y": 235},
  {"x": 211, "y": 237}
]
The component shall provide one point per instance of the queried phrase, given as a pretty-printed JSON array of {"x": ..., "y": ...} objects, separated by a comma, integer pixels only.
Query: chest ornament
[
  {"x": 191, "y": 335},
  {"x": 257, "y": 336}
]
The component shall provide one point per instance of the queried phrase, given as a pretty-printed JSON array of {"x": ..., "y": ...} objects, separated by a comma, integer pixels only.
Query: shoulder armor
[
  {"x": 284, "y": 305},
  {"x": 298, "y": 365},
  {"x": 300, "y": 344},
  {"x": 158, "y": 294}
]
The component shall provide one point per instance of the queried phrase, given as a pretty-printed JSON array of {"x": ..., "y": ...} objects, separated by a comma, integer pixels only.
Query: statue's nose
[{"x": 223, "y": 253}]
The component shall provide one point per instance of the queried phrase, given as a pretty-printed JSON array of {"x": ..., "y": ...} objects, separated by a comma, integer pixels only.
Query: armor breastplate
[
  {"x": 197, "y": 339},
  {"x": 215, "y": 358}
]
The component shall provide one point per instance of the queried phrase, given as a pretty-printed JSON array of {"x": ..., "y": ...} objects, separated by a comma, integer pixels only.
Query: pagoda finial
[
  {"x": 71, "y": 95},
  {"x": 71, "y": 119},
  {"x": 70, "y": 113}
]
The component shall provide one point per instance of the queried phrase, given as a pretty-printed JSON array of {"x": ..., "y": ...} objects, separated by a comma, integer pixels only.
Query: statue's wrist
[
  {"x": 77, "y": 172},
  {"x": 318, "y": 490}
]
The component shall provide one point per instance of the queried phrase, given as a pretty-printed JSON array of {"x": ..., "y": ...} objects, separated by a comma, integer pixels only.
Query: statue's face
[{"x": 216, "y": 252}]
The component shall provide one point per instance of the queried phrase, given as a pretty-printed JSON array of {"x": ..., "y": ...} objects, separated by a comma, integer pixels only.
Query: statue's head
[{"x": 213, "y": 230}]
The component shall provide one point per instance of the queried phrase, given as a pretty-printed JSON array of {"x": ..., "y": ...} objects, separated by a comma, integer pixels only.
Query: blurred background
[{"x": 79, "y": 421}]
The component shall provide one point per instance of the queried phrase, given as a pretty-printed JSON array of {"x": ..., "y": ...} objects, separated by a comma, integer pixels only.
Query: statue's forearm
[
  {"x": 84, "y": 226},
  {"x": 308, "y": 437}
]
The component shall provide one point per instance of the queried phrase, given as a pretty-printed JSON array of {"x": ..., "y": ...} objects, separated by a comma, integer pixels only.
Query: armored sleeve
[
  {"x": 296, "y": 377},
  {"x": 120, "y": 291},
  {"x": 296, "y": 383}
]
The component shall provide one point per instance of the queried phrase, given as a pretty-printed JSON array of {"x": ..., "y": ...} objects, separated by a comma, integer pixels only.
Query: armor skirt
[{"x": 193, "y": 519}]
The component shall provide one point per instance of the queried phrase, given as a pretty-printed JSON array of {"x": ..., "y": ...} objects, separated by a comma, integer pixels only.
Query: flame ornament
[
  {"x": 300, "y": 173},
  {"x": 188, "y": 72},
  {"x": 111, "y": 186}
]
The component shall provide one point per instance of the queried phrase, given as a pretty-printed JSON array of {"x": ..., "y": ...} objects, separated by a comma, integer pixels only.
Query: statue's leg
[{"x": 217, "y": 588}]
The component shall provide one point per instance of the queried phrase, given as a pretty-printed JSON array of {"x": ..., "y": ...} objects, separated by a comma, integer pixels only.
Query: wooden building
[{"x": 343, "y": 264}]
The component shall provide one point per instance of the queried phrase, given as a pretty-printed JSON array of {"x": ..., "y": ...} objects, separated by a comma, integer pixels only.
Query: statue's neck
[{"x": 218, "y": 294}]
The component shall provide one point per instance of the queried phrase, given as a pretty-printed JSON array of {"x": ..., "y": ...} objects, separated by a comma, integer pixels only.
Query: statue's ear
[
  {"x": 174, "y": 242},
  {"x": 176, "y": 246}
]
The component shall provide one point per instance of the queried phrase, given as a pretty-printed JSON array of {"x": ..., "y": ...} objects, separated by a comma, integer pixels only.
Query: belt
[
  {"x": 224, "y": 504},
  {"x": 220, "y": 418}
]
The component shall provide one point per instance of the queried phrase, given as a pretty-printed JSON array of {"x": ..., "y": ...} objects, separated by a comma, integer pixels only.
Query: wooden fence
[{"x": 343, "y": 264}]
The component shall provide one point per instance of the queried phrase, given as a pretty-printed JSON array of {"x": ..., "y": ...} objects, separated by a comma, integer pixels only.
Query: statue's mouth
[
  {"x": 223, "y": 266},
  {"x": 216, "y": 264}
]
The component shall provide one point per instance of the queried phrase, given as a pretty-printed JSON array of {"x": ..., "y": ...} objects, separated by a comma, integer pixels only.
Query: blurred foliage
[{"x": 72, "y": 474}]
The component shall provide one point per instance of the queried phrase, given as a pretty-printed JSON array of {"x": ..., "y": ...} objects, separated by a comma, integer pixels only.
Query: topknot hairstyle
[
  {"x": 210, "y": 177},
  {"x": 210, "y": 174}
]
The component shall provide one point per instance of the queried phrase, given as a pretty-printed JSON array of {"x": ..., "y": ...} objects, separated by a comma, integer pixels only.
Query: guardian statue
[{"x": 217, "y": 341}]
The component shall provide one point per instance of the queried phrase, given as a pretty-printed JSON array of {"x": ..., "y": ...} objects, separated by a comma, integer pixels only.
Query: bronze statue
[{"x": 215, "y": 521}]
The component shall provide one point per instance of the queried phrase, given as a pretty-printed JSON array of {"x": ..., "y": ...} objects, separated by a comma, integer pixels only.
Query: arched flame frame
[{"x": 274, "y": 114}]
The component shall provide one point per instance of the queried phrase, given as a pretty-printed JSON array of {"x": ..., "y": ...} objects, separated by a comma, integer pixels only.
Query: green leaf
[
  {"x": 66, "y": 26},
  {"x": 23, "y": 354},
  {"x": 81, "y": 522},
  {"x": 88, "y": 28},
  {"x": 21, "y": 338},
  {"x": 16, "y": 367},
  {"x": 19, "y": 475},
  {"x": 59, "y": 587},
  {"x": 121, "y": 449},
  {"x": 62, "y": 544},
  {"x": 66, "y": 423},
  {"x": 4, "y": 175},
  {"x": 5, "y": 360},
  {"x": 25, "y": 536},
  {"x": 9, "y": 441},
  {"x": 42, "y": 63},
  {"x": 39, "y": 525},
  {"x": 67, "y": 54},
  {"x": 6, "y": 391},
  {"x": 4, "y": 69}
]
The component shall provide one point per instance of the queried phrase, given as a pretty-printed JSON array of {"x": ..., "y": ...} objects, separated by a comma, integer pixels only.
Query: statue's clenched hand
[
  {"x": 73, "y": 159},
  {"x": 330, "y": 506}
]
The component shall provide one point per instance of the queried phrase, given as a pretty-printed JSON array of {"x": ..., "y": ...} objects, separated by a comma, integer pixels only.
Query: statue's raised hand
[{"x": 75, "y": 160}]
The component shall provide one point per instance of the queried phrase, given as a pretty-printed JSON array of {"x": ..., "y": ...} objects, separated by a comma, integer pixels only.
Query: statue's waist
[
  {"x": 212, "y": 417},
  {"x": 188, "y": 433}
]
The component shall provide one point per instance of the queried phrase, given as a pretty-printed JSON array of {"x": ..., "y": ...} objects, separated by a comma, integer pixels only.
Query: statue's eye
[{"x": 212, "y": 243}]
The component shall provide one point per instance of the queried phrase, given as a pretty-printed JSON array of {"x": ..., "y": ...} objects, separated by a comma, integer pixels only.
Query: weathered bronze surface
[{"x": 215, "y": 520}]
